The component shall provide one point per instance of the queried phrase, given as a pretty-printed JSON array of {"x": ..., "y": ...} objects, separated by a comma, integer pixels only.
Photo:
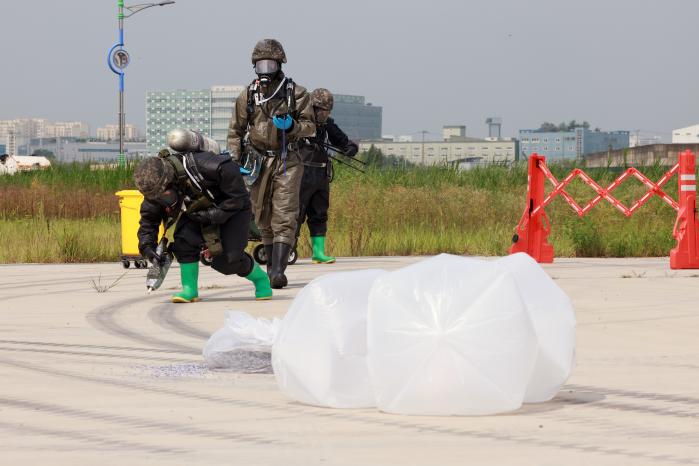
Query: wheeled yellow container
[{"x": 130, "y": 205}]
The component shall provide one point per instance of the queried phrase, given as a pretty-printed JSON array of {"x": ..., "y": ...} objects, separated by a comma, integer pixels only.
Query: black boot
[
  {"x": 280, "y": 258},
  {"x": 268, "y": 253}
]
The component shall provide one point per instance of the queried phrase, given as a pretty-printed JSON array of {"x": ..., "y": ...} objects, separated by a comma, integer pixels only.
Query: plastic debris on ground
[
  {"x": 553, "y": 318},
  {"x": 445, "y": 336},
  {"x": 319, "y": 356},
  {"x": 244, "y": 344},
  {"x": 449, "y": 336}
]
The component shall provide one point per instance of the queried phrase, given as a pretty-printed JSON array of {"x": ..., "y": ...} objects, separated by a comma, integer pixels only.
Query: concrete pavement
[{"x": 117, "y": 378}]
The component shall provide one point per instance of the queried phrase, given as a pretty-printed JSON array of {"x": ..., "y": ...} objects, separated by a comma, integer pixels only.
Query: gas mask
[
  {"x": 267, "y": 70},
  {"x": 322, "y": 115},
  {"x": 169, "y": 200}
]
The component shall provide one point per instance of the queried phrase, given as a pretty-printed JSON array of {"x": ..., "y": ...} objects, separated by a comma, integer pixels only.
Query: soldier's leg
[
  {"x": 234, "y": 259},
  {"x": 285, "y": 202},
  {"x": 318, "y": 222},
  {"x": 261, "y": 200},
  {"x": 305, "y": 195},
  {"x": 186, "y": 247},
  {"x": 318, "y": 209},
  {"x": 262, "y": 208},
  {"x": 234, "y": 240}
]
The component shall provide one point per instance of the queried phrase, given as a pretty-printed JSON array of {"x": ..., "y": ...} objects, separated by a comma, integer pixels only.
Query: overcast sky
[{"x": 620, "y": 64}]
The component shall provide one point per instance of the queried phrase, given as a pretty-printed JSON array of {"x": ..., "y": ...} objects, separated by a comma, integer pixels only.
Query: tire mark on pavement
[
  {"x": 135, "y": 422},
  {"x": 370, "y": 419},
  {"x": 165, "y": 316},
  {"x": 86, "y": 437},
  {"x": 638, "y": 394},
  {"x": 104, "y": 318},
  {"x": 73, "y": 345},
  {"x": 98, "y": 355}
]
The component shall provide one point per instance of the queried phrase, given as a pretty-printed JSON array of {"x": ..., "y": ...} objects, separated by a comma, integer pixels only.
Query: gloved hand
[
  {"x": 285, "y": 122},
  {"x": 210, "y": 216},
  {"x": 352, "y": 150},
  {"x": 150, "y": 254}
]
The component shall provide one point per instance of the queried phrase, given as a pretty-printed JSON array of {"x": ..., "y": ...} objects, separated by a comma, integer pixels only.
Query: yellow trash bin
[{"x": 130, "y": 205}]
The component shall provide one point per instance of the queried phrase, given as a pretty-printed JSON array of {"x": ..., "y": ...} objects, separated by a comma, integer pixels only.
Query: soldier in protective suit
[
  {"x": 270, "y": 117},
  {"x": 315, "y": 186},
  {"x": 205, "y": 192}
]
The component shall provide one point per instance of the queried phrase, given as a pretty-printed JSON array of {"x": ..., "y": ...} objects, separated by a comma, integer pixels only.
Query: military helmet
[
  {"x": 322, "y": 98},
  {"x": 153, "y": 175},
  {"x": 269, "y": 49}
]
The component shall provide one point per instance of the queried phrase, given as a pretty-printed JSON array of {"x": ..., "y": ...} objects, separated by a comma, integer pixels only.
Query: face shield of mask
[
  {"x": 266, "y": 69},
  {"x": 169, "y": 199},
  {"x": 322, "y": 114}
]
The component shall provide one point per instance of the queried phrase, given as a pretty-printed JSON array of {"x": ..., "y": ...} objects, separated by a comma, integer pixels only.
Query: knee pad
[{"x": 233, "y": 263}]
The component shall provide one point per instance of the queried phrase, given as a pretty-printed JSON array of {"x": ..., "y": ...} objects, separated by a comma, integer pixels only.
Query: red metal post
[
  {"x": 531, "y": 235},
  {"x": 686, "y": 254}
]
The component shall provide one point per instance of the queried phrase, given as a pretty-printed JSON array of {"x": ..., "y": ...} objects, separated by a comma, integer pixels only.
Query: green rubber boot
[
  {"x": 261, "y": 281},
  {"x": 189, "y": 274},
  {"x": 319, "y": 257}
]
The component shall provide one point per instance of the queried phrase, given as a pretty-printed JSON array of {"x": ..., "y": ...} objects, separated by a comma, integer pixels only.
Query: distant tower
[
  {"x": 12, "y": 143},
  {"x": 494, "y": 127}
]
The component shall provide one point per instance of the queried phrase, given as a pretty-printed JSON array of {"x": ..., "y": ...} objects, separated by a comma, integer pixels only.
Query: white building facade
[
  {"x": 454, "y": 152},
  {"x": 688, "y": 135}
]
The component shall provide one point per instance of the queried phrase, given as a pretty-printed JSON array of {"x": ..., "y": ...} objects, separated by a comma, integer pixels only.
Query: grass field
[{"x": 70, "y": 214}]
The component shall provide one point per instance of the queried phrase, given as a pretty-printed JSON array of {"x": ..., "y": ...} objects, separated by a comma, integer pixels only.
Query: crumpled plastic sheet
[
  {"x": 244, "y": 344},
  {"x": 553, "y": 318},
  {"x": 449, "y": 336},
  {"x": 445, "y": 336},
  {"x": 319, "y": 356}
]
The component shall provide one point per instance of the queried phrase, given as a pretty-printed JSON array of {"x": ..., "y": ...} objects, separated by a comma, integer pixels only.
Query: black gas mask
[
  {"x": 322, "y": 115},
  {"x": 267, "y": 70},
  {"x": 169, "y": 200}
]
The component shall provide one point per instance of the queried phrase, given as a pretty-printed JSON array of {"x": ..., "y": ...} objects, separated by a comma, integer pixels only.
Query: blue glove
[{"x": 283, "y": 122}]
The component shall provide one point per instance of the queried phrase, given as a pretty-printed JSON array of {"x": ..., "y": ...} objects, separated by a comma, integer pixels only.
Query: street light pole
[
  {"x": 122, "y": 116},
  {"x": 118, "y": 59}
]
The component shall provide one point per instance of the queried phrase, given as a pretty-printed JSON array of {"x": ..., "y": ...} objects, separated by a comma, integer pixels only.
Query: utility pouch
[
  {"x": 252, "y": 161},
  {"x": 330, "y": 171},
  {"x": 212, "y": 241}
]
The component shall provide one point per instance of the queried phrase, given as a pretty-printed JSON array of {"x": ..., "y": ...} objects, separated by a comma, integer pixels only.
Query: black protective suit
[
  {"x": 314, "y": 198},
  {"x": 232, "y": 211}
]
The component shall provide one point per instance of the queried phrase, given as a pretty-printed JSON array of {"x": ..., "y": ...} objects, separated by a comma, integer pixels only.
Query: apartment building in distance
[
  {"x": 111, "y": 133},
  {"x": 28, "y": 128}
]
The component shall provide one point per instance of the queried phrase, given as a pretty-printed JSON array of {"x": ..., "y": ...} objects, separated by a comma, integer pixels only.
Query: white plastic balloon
[
  {"x": 319, "y": 355},
  {"x": 449, "y": 336},
  {"x": 553, "y": 317}
]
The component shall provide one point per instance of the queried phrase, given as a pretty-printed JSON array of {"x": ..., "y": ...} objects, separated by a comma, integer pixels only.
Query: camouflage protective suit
[{"x": 275, "y": 195}]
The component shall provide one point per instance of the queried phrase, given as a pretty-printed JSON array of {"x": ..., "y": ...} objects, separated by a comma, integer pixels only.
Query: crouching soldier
[
  {"x": 204, "y": 192},
  {"x": 314, "y": 199}
]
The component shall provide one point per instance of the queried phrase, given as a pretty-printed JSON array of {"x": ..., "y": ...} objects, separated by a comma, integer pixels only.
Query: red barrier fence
[{"x": 534, "y": 227}]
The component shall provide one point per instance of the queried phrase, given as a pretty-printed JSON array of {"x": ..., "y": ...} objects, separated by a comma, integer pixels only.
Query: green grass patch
[{"x": 69, "y": 214}]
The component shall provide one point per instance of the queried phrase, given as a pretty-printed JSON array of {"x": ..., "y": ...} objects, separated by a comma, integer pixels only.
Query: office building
[
  {"x": 222, "y": 105},
  {"x": 569, "y": 144},
  {"x": 167, "y": 110},
  {"x": 358, "y": 119},
  {"x": 210, "y": 111}
]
